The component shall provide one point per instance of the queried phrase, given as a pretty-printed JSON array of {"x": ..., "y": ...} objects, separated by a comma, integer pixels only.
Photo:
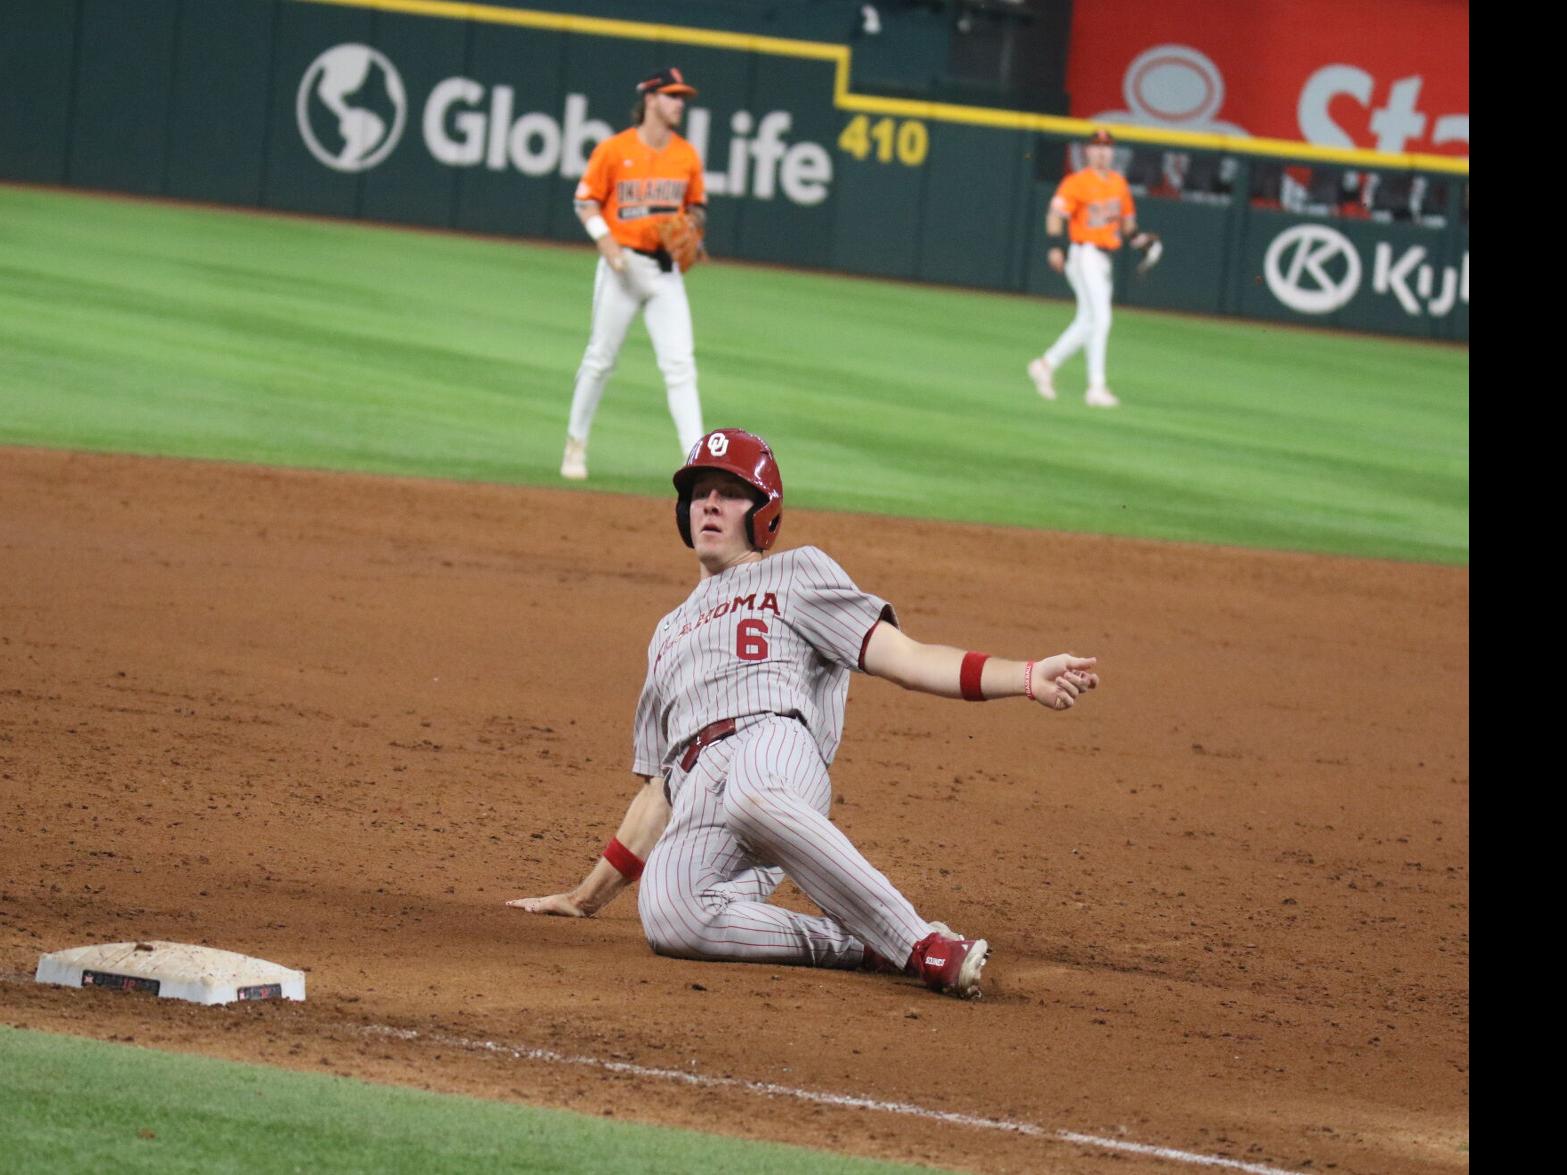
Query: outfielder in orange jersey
[
  {"x": 1095, "y": 207},
  {"x": 635, "y": 181}
]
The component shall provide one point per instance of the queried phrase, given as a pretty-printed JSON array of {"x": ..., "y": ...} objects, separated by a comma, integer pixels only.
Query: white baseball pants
[
  {"x": 752, "y": 809},
  {"x": 1088, "y": 272},
  {"x": 661, "y": 297}
]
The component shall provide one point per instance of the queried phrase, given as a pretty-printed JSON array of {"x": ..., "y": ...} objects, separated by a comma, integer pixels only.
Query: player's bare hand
[
  {"x": 1060, "y": 680},
  {"x": 613, "y": 254},
  {"x": 1057, "y": 260},
  {"x": 560, "y": 905}
]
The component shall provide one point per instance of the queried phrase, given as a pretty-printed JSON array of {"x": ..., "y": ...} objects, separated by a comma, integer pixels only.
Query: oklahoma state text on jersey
[
  {"x": 1094, "y": 203},
  {"x": 634, "y": 185}
]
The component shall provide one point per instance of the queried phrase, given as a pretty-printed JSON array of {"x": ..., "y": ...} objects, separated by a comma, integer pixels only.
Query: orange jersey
[
  {"x": 636, "y": 186},
  {"x": 1094, "y": 203}
]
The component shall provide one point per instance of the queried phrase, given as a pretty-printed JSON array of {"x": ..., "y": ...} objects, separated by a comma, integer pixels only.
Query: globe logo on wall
[{"x": 351, "y": 107}]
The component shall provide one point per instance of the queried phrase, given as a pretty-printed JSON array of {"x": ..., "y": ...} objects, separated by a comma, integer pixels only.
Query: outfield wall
[{"x": 480, "y": 118}]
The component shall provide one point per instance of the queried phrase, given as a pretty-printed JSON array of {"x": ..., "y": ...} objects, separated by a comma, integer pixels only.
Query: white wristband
[{"x": 597, "y": 229}]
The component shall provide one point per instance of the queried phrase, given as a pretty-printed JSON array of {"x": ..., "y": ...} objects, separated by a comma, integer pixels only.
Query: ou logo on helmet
[
  {"x": 351, "y": 107},
  {"x": 1305, "y": 271},
  {"x": 718, "y": 444}
]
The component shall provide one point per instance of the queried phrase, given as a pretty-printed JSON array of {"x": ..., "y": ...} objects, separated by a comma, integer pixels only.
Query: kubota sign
[{"x": 1315, "y": 269}]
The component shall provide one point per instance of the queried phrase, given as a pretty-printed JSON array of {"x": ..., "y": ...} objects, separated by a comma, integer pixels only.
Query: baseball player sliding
[
  {"x": 642, "y": 201},
  {"x": 1095, "y": 207},
  {"x": 739, "y": 719}
]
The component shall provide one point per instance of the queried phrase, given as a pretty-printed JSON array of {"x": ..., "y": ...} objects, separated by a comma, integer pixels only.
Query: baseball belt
[
  {"x": 665, "y": 261},
  {"x": 713, "y": 733}
]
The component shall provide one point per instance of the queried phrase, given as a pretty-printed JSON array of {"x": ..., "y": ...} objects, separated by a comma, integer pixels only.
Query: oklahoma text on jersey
[
  {"x": 769, "y": 604},
  {"x": 635, "y": 198}
]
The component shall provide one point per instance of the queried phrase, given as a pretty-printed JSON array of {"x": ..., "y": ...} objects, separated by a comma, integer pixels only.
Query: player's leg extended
[
  {"x": 615, "y": 304},
  {"x": 668, "y": 318},
  {"x": 703, "y": 896},
  {"x": 1098, "y": 281},
  {"x": 776, "y": 801},
  {"x": 1077, "y": 331}
]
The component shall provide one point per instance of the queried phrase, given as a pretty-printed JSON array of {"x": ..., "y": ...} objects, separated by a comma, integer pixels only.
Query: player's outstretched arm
[
  {"x": 1054, "y": 682},
  {"x": 639, "y": 831}
]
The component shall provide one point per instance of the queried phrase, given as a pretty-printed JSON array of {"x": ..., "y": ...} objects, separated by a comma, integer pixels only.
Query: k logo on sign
[
  {"x": 351, "y": 107},
  {"x": 1313, "y": 269},
  {"x": 718, "y": 444}
]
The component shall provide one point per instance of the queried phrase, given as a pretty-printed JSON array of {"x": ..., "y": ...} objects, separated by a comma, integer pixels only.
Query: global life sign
[{"x": 352, "y": 107}]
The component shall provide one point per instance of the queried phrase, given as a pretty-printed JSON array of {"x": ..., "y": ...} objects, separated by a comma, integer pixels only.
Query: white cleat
[
  {"x": 1101, "y": 398},
  {"x": 574, "y": 463},
  {"x": 1039, "y": 372}
]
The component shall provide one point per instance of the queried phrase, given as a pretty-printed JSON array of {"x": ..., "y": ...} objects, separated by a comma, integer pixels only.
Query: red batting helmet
[{"x": 749, "y": 458}]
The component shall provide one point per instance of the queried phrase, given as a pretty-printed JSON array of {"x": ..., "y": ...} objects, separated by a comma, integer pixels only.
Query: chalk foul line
[
  {"x": 814, "y": 1096},
  {"x": 822, "y": 1097}
]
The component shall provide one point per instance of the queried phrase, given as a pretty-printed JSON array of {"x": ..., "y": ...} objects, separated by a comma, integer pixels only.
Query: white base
[{"x": 172, "y": 970}]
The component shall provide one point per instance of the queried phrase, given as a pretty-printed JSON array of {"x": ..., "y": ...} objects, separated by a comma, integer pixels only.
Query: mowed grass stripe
[
  {"x": 80, "y": 1105},
  {"x": 190, "y": 331}
]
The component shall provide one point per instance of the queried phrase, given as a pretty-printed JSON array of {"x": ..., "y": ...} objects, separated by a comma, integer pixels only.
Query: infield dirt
[{"x": 334, "y": 721}]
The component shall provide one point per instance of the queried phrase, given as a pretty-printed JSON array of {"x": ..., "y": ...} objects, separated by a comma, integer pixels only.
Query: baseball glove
[
  {"x": 681, "y": 239},
  {"x": 1153, "y": 249}
]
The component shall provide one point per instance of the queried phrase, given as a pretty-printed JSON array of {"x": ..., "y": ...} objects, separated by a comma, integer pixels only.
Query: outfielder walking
[
  {"x": 739, "y": 719},
  {"x": 642, "y": 190},
  {"x": 1094, "y": 206}
]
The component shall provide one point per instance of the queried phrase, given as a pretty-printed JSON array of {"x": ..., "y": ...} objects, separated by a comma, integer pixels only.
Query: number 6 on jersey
[{"x": 751, "y": 640}]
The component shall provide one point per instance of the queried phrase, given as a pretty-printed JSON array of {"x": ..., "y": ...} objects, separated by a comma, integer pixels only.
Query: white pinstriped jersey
[{"x": 777, "y": 636}]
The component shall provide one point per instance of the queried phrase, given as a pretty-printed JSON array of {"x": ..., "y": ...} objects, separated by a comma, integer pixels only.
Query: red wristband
[
  {"x": 626, "y": 863},
  {"x": 1028, "y": 681},
  {"x": 968, "y": 676}
]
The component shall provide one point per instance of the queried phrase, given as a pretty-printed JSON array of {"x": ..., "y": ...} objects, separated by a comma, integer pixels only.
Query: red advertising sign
[{"x": 1392, "y": 75}]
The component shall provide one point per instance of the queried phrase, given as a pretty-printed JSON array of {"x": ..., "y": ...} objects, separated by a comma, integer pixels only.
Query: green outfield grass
[
  {"x": 162, "y": 329},
  {"x": 79, "y": 1105}
]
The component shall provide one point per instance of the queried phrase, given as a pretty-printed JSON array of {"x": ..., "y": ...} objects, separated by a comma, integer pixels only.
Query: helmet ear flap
[
  {"x": 683, "y": 518},
  {"x": 763, "y": 523}
]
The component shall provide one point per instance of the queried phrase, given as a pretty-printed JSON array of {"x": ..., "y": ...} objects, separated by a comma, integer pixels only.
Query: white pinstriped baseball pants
[
  {"x": 1088, "y": 273},
  {"x": 662, "y": 299},
  {"x": 750, "y": 811}
]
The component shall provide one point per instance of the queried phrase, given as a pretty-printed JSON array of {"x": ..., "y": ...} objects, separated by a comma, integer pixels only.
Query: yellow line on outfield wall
[{"x": 840, "y": 56}]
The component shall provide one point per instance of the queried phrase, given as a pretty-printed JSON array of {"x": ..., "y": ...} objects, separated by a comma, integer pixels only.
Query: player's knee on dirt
[
  {"x": 681, "y": 926},
  {"x": 672, "y": 926},
  {"x": 670, "y": 942}
]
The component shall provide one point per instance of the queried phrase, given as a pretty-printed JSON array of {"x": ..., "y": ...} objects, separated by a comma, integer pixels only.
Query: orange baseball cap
[
  {"x": 1101, "y": 138},
  {"x": 666, "y": 81}
]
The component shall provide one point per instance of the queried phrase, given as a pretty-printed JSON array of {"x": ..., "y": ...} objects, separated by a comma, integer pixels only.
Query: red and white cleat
[{"x": 951, "y": 965}]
